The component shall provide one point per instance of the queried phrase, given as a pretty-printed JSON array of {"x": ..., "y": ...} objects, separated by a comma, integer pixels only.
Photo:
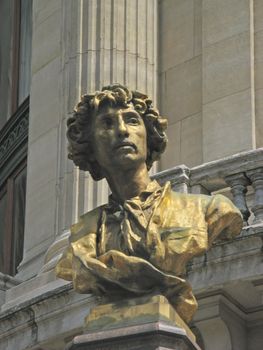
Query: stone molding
[{"x": 14, "y": 135}]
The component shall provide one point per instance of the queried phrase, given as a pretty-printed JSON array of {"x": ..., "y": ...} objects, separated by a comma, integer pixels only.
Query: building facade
[{"x": 201, "y": 61}]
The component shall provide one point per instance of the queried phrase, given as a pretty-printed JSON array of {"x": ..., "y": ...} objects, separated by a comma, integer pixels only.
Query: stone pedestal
[{"x": 135, "y": 324}]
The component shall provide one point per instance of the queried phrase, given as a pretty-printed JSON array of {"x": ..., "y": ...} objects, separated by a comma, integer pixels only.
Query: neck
[{"x": 126, "y": 184}]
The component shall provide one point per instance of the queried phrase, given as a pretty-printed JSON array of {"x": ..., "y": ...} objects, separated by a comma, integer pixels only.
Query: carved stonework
[
  {"x": 14, "y": 133},
  {"x": 238, "y": 184},
  {"x": 256, "y": 177}
]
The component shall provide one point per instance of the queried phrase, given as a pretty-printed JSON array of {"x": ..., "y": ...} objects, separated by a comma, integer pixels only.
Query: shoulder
[
  {"x": 206, "y": 202},
  {"x": 188, "y": 199}
]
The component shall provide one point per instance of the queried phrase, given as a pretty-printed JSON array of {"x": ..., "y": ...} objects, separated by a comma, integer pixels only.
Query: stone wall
[{"x": 210, "y": 78}]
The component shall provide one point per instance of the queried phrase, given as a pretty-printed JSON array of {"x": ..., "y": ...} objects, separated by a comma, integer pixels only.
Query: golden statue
[{"x": 140, "y": 242}]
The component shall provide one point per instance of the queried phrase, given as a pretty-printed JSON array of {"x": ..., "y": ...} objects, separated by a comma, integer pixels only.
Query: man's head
[{"x": 118, "y": 101}]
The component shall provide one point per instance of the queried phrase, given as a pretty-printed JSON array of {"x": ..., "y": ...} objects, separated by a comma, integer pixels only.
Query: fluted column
[
  {"x": 103, "y": 42},
  {"x": 113, "y": 41}
]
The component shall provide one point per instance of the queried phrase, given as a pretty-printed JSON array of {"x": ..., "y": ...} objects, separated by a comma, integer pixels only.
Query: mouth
[{"x": 126, "y": 146}]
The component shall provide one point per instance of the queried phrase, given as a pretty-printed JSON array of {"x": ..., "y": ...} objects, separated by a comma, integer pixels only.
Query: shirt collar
[{"x": 152, "y": 187}]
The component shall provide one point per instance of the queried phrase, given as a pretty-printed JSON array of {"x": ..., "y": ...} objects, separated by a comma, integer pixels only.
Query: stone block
[
  {"x": 259, "y": 59},
  {"x": 73, "y": 87},
  {"x": 216, "y": 271},
  {"x": 89, "y": 28},
  {"x": 259, "y": 118},
  {"x": 131, "y": 70},
  {"x": 144, "y": 337},
  {"x": 171, "y": 157},
  {"x": 131, "y": 42},
  {"x": 42, "y": 161},
  {"x": 46, "y": 41},
  {"x": 255, "y": 337},
  {"x": 141, "y": 47},
  {"x": 191, "y": 140},
  {"x": 41, "y": 217},
  {"x": 43, "y": 10},
  {"x": 227, "y": 126},
  {"x": 223, "y": 19},
  {"x": 141, "y": 74},
  {"x": 226, "y": 67},
  {"x": 147, "y": 322},
  {"x": 28, "y": 290},
  {"x": 45, "y": 103},
  {"x": 258, "y": 15},
  {"x": 197, "y": 27},
  {"x": 184, "y": 90},
  {"x": 177, "y": 32}
]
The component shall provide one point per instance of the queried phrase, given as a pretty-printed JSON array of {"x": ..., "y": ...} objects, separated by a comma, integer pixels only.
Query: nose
[{"x": 122, "y": 130}]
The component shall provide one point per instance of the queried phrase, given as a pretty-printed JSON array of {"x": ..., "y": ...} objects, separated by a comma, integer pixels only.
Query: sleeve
[
  {"x": 224, "y": 220},
  {"x": 64, "y": 266},
  {"x": 81, "y": 244}
]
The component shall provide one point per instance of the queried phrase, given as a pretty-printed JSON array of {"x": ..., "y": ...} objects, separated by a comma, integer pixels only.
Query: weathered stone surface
[
  {"x": 46, "y": 39},
  {"x": 177, "y": 22},
  {"x": 172, "y": 157},
  {"x": 259, "y": 118},
  {"x": 226, "y": 67},
  {"x": 184, "y": 97},
  {"x": 258, "y": 15},
  {"x": 45, "y": 104},
  {"x": 151, "y": 336},
  {"x": 6, "y": 282},
  {"x": 134, "y": 312},
  {"x": 220, "y": 118},
  {"x": 223, "y": 19},
  {"x": 259, "y": 60},
  {"x": 191, "y": 140}
]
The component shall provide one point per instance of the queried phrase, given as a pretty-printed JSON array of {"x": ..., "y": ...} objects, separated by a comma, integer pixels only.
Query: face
[{"x": 119, "y": 138}]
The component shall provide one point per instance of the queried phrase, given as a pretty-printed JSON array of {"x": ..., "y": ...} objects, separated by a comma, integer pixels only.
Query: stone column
[
  {"x": 102, "y": 42},
  {"x": 221, "y": 324},
  {"x": 178, "y": 176}
]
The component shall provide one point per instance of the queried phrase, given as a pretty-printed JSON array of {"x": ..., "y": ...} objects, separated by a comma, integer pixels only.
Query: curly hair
[{"x": 80, "y": 125}]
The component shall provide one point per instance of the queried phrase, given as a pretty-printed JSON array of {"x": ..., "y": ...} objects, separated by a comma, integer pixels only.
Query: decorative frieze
[{"x": 15, "y": 133}]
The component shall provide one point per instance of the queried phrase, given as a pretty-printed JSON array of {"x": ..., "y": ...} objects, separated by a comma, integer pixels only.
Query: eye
[{"x": 132, "y": 119}]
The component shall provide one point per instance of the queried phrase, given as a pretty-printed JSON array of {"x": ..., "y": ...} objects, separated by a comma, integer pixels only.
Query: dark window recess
[
  {"x": 15, "y": 55},
  {"x": 15, "y": 78},
  {"x": 3, "y": 215},
  {"x": 18, "y": 220},
  {"x": 13, "y": 154}
]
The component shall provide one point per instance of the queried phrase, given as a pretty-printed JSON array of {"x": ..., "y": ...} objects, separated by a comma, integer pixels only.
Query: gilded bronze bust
[{"x": 140, "y": 242}]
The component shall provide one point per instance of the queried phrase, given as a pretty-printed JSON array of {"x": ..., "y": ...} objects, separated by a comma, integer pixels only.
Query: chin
[{"x": 128, "y": 160}]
